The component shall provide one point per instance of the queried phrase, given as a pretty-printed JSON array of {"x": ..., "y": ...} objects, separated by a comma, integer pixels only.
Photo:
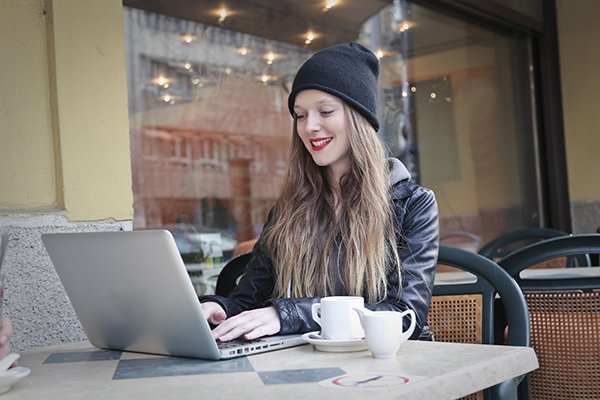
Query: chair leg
[
  {"x": 506, "y": 390},
  {"x": 524, "y": 389}
]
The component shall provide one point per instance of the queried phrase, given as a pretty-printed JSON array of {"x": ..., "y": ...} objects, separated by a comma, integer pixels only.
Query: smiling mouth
[{"x": 320, "y": 143}]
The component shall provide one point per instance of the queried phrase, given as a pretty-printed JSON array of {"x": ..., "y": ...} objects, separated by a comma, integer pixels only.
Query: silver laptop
[{"x": 131, "y": 291}]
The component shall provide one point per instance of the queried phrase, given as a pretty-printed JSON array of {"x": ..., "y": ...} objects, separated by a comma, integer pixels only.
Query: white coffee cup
[
  {"x": 383, "y": 330},
  {"x": 337, "y": 318}
]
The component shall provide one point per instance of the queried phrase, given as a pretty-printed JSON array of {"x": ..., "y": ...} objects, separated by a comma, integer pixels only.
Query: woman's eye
[
  {"x": 326, "y": 113},
  {"x": 299, "y": 117}
]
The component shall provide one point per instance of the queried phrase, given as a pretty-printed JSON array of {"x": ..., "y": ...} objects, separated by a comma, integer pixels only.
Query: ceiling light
[
  {"x": 162, "y": 81},
  {"x": 266, "y": 79},
  {"x": 329, "y": 4},
  {"x": 198, "y": 80},
  {"x": 405, "y": 25},
  {"x": 169, "y": 98},
  {"x": 310, "y": 36},
  {"x": 188, "y": 38},
  {"x": 223, "y": 13},
  {"x": 270, "y": 56}
]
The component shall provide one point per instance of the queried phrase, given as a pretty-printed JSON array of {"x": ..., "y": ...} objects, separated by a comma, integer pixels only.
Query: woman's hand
[
  {"x": 250, "y": 324},
  {"x": 213, "y": 312},
  {"x": 6, "y": 332}
]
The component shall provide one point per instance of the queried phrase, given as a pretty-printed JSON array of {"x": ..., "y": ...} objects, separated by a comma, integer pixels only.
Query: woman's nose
[{"x": 313, "y": 123}]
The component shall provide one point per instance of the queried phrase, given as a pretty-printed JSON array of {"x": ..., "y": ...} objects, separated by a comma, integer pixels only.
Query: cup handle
[
  {"x": 413, "y": 324},
  {"x": 316, "y": 310}
]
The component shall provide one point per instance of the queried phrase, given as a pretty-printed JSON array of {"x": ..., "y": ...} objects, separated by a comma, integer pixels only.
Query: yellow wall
[
  {"x": 579, "y": 46},
  {"x": 26, "y": 155},
  {"x": 64, "y": 137}
]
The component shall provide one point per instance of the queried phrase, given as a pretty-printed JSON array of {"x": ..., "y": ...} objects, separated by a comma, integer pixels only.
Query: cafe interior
[{"x": 172, "y": 114}]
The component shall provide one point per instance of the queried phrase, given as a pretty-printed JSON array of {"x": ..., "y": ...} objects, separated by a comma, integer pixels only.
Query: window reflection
[
  {"x": 452, "y": 103},
  {"x": 210, "y": 129}
]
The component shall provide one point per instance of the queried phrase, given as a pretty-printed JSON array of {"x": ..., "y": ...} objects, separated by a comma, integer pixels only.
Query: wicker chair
[
  {"x": 464, "y": 312},
  {"x": 564, "y": 319}
]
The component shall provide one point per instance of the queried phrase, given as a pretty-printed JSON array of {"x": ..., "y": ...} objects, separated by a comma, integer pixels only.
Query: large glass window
[
  {"x": 210, "y": 128},
  {"x": 454, "y": 102}
]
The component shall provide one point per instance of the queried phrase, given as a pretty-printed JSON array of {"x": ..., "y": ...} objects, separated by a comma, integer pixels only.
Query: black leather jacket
[{"x": 418, "y": 241}]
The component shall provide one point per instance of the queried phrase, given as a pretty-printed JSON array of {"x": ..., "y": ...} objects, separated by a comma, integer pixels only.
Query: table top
[
  {"x": 421, "y": 370},
  {"x": 460, "y": 277},
  {"x": 560, "y": 273}
]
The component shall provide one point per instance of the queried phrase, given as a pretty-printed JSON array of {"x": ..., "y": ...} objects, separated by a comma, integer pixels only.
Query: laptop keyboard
[
  {"x": 242, "y": 346},
  {"x": 238, "y": 342}
]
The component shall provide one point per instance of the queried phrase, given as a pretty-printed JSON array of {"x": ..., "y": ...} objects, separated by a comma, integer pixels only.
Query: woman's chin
[{"x": 320, "y": 162}]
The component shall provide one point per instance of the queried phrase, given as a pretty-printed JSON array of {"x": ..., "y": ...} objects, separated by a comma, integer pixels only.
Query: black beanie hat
[{"x": 348, "y": 71}]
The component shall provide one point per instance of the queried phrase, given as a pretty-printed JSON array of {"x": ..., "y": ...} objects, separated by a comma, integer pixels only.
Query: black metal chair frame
[
  {"x": 494, "y": 248},
  {"x": 565, "y": 246},
  {"x": 491, "y": 279},
  {"x": 229, "y": 275}
]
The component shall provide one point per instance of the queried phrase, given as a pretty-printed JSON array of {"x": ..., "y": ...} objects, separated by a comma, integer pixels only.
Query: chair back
[
  {"x": 465, "y": 311},
  {"x": 564, "y": 246},
  {"x": 564, "y": 319},
  {"x": 490, "y": 279},
  {"x": 508, "y": 242},
  {"x": 230, "y": 274}
]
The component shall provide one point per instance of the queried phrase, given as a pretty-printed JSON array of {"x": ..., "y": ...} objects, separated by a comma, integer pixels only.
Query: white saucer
[
  {"x": 12, "y": 376},
  {"x": 332, "y": 345}
]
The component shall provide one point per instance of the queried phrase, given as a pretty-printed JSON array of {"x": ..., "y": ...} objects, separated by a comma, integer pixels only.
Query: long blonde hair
[{"x": 302, "y": 237}]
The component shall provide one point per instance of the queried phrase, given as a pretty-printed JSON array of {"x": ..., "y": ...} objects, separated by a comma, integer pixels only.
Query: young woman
[{"x": 348, "y": 221}]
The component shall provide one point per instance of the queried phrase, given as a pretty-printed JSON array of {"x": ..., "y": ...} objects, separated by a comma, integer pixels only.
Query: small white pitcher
[{"x": 383, "y": 330}]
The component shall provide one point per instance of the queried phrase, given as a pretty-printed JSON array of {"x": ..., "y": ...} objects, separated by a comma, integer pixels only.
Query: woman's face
[{"x": 321, "y": 125}]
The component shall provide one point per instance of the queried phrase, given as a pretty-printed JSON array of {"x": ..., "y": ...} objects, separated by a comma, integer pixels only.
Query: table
[
  {"x": 560, "y": 273},
  {"x": 461, "y": 277},
  {"x": 421, "y": 370}
]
